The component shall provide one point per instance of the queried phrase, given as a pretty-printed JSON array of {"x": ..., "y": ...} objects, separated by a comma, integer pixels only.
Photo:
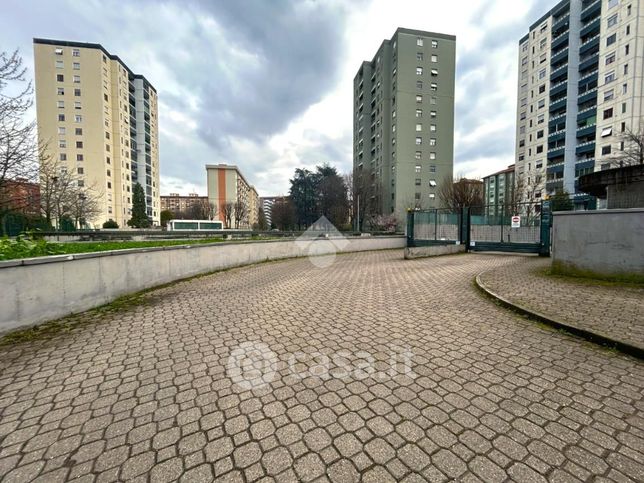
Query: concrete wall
[
  {"x": 432, "y": 251},
  {"x": 41, "y": 289},
  {"x": 604, "y": 242}
]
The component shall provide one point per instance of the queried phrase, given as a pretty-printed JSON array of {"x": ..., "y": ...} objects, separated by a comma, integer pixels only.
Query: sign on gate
[{"x": 516, "y": 221}]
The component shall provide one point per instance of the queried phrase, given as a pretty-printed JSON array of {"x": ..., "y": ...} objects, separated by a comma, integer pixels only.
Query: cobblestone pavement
[
  {"x": 143, "y": 394},
  {"x": 613, "y": 311}
]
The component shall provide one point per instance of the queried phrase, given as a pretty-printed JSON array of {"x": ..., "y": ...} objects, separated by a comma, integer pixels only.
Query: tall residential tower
[
  {"x": 580, "y": 87},
  {"x": 403, "y": 122},
  {"x": 101, "y": 121}
]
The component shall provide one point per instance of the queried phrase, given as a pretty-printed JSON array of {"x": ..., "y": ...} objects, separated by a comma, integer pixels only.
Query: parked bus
[{"x": 195, "y": 225}]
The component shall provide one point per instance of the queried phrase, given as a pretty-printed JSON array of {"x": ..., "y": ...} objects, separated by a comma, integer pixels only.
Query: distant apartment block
[
  {"x": 101, "y": 121},
  {"x": 20, "y": 196},
  {"x": 179, "y": 204},
  {"x": 580, "y": 87},
  {"x": 403, "y": 122},
  {"x": 498, "y": 191},
  {"x": 226, "y": 184}
]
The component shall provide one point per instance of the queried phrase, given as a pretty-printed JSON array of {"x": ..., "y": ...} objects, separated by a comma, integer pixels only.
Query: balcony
[
  {"x": 591, "y": 11},
  {"x": 559, "y": 56},
  {"x": 559, "y": 88},
  {"x": 589, "y": 63},
  {"x": 558, "y": 104},
  {"x": 587, "y": 79},
  {"x": 584, "y": 148},
  {"x": 586, "y": 113},
  {"x": 559, "y": 73},
  {"x": 556, "y": 152},
  {"x": 556, "y": 136},
  {"x": 560, "y": 40},
  {"x": 584, "y": 131},
  {"x": 587, "y": 96},
  {"x": 591, "y": 28},
  {"x": 561, "y": 24},
  {"x": 589, "y": 45},
  {"x": 556, "y": 168}
]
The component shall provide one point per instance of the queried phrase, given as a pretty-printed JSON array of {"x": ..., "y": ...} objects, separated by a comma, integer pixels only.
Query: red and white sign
[{"x": 516, "y": 221}]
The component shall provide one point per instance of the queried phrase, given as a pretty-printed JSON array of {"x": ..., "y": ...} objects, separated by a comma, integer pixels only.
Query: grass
[{"x": 102, "y": 246}]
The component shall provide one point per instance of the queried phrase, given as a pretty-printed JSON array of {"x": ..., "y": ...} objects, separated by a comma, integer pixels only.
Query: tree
[
  {"x": 110, "y": 224},
  {"x": 262, "y": 224},
  {"x": 166, "y": 216},
  {"x": 561, "y": 201},
  {"x": 240, "y": 213},
  {"x": 227, "y": 211},
  {"x": 139, "y": 217},
  {"x": 332, "y": 197},
  {"x": 304, "y": 197},
  {"x": 633, "y": 148},
  {"x": 461, "y": 193},
  {"x": 283, "y": 214},
  {"x": 366, "y": 199},
  {"x": 85, "y": 205}
]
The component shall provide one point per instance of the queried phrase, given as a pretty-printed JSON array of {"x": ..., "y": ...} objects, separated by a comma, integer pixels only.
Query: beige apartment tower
[
  {"x": 101, "y": 121},
  {"x": 226, "y": 184}
]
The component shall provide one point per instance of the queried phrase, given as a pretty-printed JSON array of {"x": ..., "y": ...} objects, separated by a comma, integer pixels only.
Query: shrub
[
  {"x": 110, "y": 224},
  {"x": 24, "y": 246}
]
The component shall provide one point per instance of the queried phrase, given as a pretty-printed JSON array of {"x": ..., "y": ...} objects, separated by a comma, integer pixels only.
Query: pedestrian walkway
[
  {"x": 375, "y": 369},
  {"x": 611, "y": 311}
]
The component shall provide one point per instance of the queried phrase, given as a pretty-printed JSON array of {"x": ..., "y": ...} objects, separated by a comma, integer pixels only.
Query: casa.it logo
[
  {"x": 251, "y": 365},
  {"x": 321, "y": 241}
]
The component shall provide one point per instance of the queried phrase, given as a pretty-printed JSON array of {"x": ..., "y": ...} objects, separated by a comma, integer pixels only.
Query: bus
[{"x": 195, "y": 225}]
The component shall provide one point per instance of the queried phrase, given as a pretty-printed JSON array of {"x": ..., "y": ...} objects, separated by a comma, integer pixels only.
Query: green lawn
[{"x": 24, "y": 248}]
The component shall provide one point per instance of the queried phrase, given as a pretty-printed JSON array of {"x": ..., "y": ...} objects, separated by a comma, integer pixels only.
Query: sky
[{"x": 267, "y": 84}]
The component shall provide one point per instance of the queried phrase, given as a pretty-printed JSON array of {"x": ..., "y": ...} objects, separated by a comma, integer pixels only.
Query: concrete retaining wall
[
  {"x": 432, "y": 251},
  {"x": 602, "y": 242},
  {"x": 46, "y": 288}
]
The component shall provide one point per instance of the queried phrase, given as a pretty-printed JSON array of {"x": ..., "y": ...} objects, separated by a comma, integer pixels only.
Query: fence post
[
  {"x": 502, "y": 220},
  {"x": 464, "y": 235},
  {"x": 435, "y": 224},
  {"x": 410, "y": 228},
  {"x": 546, "y": 223}
]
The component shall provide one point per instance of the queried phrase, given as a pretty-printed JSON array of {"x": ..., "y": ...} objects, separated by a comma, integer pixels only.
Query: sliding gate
[{"x": 520, "y": 227}]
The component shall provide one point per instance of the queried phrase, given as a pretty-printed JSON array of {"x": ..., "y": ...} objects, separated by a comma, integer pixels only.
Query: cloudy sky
[{"x": 267, "y": 84}]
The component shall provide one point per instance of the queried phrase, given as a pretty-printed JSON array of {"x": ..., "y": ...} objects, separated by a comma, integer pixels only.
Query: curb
[{"x": 559, "y": 324}]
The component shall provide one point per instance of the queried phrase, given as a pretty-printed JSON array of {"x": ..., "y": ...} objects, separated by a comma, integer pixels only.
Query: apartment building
[
  {"x": 100, "y": 120},
  {"x": 580, "y": 87},
  {"x": 226, "y": 184},
  {"x": 179, "y": 204},
  {"x": 498, "y": 192},
  {"x": 403, "y": 122}
]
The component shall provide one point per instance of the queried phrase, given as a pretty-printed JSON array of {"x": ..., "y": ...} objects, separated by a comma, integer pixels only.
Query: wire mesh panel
[
  {"x": 517, "y": 223},
  {"x": 436, "y": 225}
]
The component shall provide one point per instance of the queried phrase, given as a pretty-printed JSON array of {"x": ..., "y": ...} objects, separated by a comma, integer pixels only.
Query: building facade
[
  {"x": 580, "y": 88},
  {"x": 403, "y": 122},
  {"x": 178, "y": 204},
  {"x": 100, "y": 120},
  {"x": 226, "y": 184},
  {"x": 20, "y": 196},
  {"x": 498, "y": 191}
]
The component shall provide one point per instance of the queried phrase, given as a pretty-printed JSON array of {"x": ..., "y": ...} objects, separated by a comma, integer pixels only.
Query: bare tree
[
  {"x": 85, "y": 205},
  {"x": 461, "y": 193},
  {"x": 633, "y": 148},
  {"x": 227, "y": 210},
  {"x": 366, "y": 199},
  {"x": 240, "y": 213},
  {"x": 524, "y": 199}
]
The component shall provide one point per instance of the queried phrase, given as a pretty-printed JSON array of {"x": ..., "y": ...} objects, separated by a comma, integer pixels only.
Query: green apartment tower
[{"x": 403, "y": 123}]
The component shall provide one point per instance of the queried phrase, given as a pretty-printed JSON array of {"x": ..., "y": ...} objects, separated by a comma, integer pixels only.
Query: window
[
  {"x": 628, "y": 30},
  {"x": 63, "y": 157},
  {"x": 540, "y": 134},
  {"x": 417, "y": 196},
  {"x": 540, "y": 149},
  {"x": 419, "y": 42},
  {"x": 434, "y": 44},
  {"x": 76, "y": 52},
  {"x": 393, "y": 128},
  {"x": 79, "y": 157},
  {"x": 432, "y": 100},
  {"x": 432, "y": 127},
  {"x": 612, "y": 21},
  {"x": 612, "y": 3},
  {"x": 432, "y": 168},
  {"x": 419, "y": 84},
  {"x": 59, "y": 51},
  {"x": 540, "y": 118},
  {"x": 77, "y": 92},
  {"x": 610, "y": 58},
  {"x": 627, "y": 49},
  {"x": 609, "y": 77},
  {"x": 78, "y": 118},
  {"x": 608, "y": 95},
  {"x": 61, "y": 91},
  {"x": 542, "y": 88},
  {"x": 542, "y": 73},
  {"x": 419, "y": 141},
  {"x": 60, "y": 104},
  {"x": 62, "y": 143},
  {"x": 434, "y": 72},
  {"x": 80, "y": 170},
  {"x": 623, "y": 108},
  {"x": 541, "y": 103},
  {"x": 418, "y": 182},
  {"x": 611, "y": 40},
  {"x": 432, "y": 182},
  {"x": 76, "y": 79},
  {"x": 61, "y": 130},
  {"x": 81, "y": 183},
  {"x": 59, "y": 64},
  {"x": 433, "y": 86},
  {"x": 419, "y": 113},
  {"x": 625, "y": 69},
  {"x": 608, "y": 113},
  {"x": 419, "y": 154},
  {"x": 109, "y": 184},
  {"x": 419, "y": 98},
  {"x": 607, "y": 131},
  {"x": 77, "y": 105},
  {"x": 419, "y": 71},
  {"x": 432, "y": 141},
  {"x": 419, "y": 56},
  {"x": 60, "y": 78},
  {"x": 432, "y": 155},
  {"x": 606, "y": 150},
  {"x": 76, "y": 65},
  {"x": 105, "y": 97},
  {"x": 624, "y": 88},
  {"x": 434, "y": 58},
  {"x": 61, "y": 117},
  {"x": 79, "y": 144},
  {"x": 79, "y": 131}
]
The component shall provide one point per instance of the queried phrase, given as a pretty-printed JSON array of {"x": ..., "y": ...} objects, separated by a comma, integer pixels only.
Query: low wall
[
  {"x": 40, "y": 289},
  {"x": 432, "y": 251},
  {"x": 602, "y": 242}
]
